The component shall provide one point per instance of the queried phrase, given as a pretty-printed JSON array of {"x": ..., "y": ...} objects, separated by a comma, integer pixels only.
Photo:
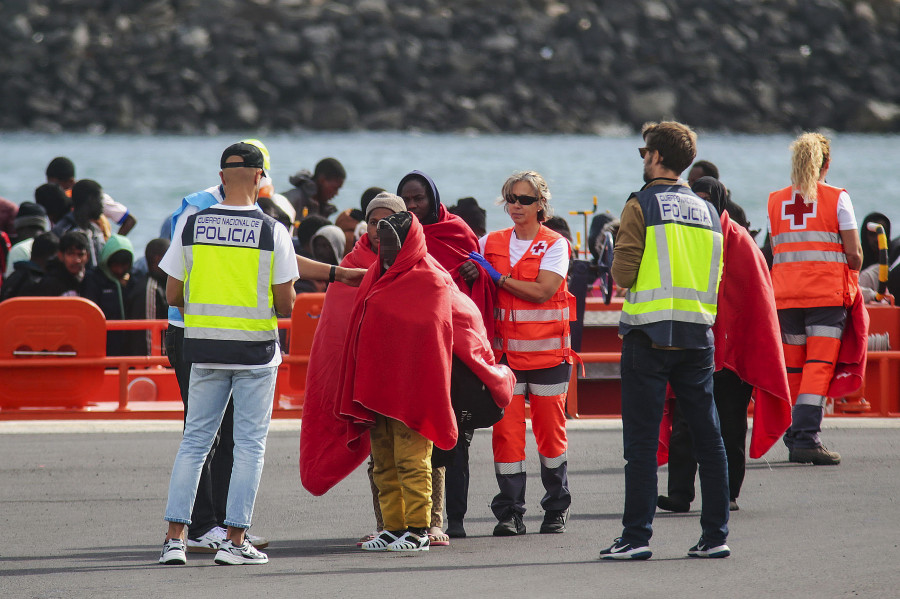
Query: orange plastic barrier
[
  {"x": 53, "y": 364},
  {"x": 51, "y": 352}
]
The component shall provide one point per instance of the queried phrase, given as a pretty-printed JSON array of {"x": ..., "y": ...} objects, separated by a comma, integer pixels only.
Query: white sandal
[
  {"x": 380, "y": 543},
  {"x": 410, "y": 541}
]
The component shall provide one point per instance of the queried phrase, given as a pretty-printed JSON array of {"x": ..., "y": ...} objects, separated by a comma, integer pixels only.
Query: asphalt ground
[{"x": 82, "y": 506}]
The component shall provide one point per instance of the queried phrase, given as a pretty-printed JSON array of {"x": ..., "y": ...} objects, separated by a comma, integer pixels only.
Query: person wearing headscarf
[
  {"x": 449, "y": 241},
  {"x": 713, "y": 191},
  {"x": 747, "y": 355}
]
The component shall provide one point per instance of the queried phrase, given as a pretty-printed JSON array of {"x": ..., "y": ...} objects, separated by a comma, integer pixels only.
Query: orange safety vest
[
  {"x": 809, "y": 266},
  {"x": 531, "y": 335}
]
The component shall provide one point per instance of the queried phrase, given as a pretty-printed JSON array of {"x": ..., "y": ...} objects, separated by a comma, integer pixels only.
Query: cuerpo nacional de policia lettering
[
  {"x": 220, "y": 230},
  {"x": 683, "y": 208}
]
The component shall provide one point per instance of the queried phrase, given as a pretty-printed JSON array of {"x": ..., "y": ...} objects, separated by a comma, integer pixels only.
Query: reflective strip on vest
[
  {"x": 824, "y": 331},
  {"x": 681, "y": 304},
  {"x": 810, "y": 399},
  {"x": 195, "y": 332},
  {"x": 534, "y": 345},
  {"x": 809, "y": 256},
  {"x": 793, "y": 339},
  {"x": 662, "y": 315},
  {"x": 806, "y": 236},
  {"x": 553, "y": 462},
  {"x": 508, "y": 468},
  {"x": 548, "y": 390},
  {"x": 533, "y": 315}
]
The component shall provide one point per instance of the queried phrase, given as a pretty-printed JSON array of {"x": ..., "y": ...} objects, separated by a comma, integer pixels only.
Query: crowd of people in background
[{"x": 511, "y": 290}]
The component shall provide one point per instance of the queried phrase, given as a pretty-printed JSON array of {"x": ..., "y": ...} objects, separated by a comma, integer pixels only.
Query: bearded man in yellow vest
[
  {"x": 231, "y": 271},
  {"x": 669, "y": 256},
  {"x": 816, "y": 255}
]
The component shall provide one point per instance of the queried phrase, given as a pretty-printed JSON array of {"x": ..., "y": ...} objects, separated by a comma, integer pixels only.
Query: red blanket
[
  {"x": 748, "y": 336},
  {"x": 851, "y": 362},
  {"x": 449, "y": 241},
  {"x": 398, "y": 349},
  {"x": 325, "y": 459}
]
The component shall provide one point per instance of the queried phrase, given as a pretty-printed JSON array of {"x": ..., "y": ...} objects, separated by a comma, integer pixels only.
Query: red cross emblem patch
[
  {"x": 539, "y": 248},
  {"x": 798, "y": 211}
]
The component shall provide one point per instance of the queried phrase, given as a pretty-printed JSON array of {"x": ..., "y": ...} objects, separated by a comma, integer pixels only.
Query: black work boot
[
  {"x": 510, "y": 526},
  {"x": 554, "y": 521}
]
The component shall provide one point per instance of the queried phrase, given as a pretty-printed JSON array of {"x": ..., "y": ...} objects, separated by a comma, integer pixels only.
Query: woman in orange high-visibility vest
[
  {"x": 528, "y": 262},
  {"x": 816, "y": 259}
]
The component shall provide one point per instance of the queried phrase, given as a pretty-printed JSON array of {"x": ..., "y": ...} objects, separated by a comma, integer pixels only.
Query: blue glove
[{"x": 490, "y": 270}]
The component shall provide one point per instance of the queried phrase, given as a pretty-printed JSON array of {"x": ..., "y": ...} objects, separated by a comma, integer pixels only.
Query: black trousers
[
  {"x": 457, "y": 478},
  {"x": 732, "y": 397},
  {"x": 212, "y": 491}
]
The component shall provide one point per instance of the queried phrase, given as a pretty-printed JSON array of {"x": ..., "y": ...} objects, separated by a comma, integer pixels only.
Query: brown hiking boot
[{"x": 817, "y": 456}]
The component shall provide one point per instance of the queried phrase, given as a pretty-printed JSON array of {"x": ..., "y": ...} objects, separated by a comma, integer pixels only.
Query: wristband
[
  {"x": 331, "y": 273},
  {"x": 502, "y": 281}
]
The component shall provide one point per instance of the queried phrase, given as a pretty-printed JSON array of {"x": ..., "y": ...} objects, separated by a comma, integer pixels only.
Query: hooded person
[
  {"x": 449, "y": 241},
  {"x": 448, "y": 238},
  {"x": 105, "y": 286},
  {"x": 328, "y": 244}
]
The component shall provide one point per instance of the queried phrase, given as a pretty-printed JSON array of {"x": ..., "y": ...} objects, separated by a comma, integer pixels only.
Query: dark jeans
[
  {"x": 645, "y": 372},
  {"x": 457, "y": 478},
  {"x": 212, "y": 491},
  {"x": 732, "y": 396}
]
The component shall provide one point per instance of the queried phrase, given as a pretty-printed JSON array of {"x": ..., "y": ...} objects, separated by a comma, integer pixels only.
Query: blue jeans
[
  {"x": 254, "y": 391},
  {"x": 645, "y": 372}
]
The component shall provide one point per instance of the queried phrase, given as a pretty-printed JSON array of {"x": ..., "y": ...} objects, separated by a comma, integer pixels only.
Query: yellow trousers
[{"x": 402, "y": 473}]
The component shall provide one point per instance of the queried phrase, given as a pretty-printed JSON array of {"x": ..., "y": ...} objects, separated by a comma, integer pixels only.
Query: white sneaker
[
  {"x": 210, "y": 541},
  {"x": 207, "y": 542},
  {"x": 230, "y": 554},
  {"x": 173, "y": 553}
]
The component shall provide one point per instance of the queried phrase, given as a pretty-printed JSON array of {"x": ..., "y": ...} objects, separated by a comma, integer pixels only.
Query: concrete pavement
[{"x": 82, "y": 505}]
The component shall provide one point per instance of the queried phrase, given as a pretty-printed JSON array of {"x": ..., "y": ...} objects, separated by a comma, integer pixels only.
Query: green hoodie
[{"x": 116, "y": 243}]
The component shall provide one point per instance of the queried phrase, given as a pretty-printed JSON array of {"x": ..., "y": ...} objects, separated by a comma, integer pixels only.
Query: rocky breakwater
[{"x": 506, "y": 65}]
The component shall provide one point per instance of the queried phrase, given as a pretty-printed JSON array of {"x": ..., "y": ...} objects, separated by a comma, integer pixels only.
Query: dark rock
[{"x": 519, "y": 65}]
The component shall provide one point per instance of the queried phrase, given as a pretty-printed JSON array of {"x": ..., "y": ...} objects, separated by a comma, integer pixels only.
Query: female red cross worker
[
  {"x": 815, "y": 269},
  {"x": 529, "y": 262}
]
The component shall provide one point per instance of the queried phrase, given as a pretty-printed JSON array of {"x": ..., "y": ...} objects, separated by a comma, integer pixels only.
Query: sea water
[{"x": 151, "y": 173}]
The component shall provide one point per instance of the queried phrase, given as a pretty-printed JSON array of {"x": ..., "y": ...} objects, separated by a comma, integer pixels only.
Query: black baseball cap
[{"x": 251, "y": 155}]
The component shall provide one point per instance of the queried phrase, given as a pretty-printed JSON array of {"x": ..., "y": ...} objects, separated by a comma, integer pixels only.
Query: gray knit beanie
[{"x": 392, "y": 202}]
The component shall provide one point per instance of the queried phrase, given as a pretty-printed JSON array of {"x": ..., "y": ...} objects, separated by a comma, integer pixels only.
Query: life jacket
[
  {"x": 673, "y": 301},
  {"x": 809, "y": 266},
  {"x": 531, "y": 335},
  {"x": 229, "y": 313}
]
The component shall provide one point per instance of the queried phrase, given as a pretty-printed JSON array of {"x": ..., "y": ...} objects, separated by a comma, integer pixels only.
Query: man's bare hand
[{"x": 350, "y": 276}]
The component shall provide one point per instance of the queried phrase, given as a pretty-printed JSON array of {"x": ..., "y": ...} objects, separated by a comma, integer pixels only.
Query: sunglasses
[
  {"x": 523, "y": 200},
  {"x": 644, "y": 151}
]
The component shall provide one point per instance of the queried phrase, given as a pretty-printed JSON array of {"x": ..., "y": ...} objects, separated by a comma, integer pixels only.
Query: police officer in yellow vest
[
  {"x": 668, "y": 255},
  {"x": 232, "y": 271}
]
